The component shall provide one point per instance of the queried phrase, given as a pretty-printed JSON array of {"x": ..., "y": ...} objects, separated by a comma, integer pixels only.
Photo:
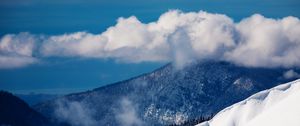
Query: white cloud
[
  {"x": 182, "y": 38},
  {"x": 127, "y": 114},
  {"x": 7, "y": 62},
  {"x": 266, "y": 42},
  {"x": 76, "y": 44},
  {"x": 291, "y": 74},
  {"x": 74, "y": 113},
  {"x": 17, "y": 50}
]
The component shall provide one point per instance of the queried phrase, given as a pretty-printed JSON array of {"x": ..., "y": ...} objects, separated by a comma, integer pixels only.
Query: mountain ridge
[{"x": 168, "y": 95}]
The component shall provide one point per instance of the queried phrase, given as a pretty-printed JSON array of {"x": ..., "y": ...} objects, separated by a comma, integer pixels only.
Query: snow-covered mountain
[
  {"x": 278, "y": 106},
  {"x": 164, "y": 96}
]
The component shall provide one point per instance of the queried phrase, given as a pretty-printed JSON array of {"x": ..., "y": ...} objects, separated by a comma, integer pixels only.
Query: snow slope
[{"x": 278, "y": 106}]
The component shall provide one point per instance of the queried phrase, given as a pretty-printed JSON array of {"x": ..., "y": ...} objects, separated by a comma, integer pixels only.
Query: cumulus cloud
[
  {"x": 176, "y": 37},
  {"x": 17, "y": 50},
  {"x": 267, "y": 42}
]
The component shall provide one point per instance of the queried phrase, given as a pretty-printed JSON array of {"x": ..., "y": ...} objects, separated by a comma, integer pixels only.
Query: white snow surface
[{"x": 278, "y": 106}]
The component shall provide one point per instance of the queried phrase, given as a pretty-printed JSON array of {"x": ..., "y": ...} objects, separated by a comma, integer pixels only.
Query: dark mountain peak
[{"x": 15, "y": 112}]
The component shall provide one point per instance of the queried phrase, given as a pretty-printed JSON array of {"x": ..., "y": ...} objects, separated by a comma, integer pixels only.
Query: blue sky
[
  {"x": 64, "y": 75},
  {"x": 61, "y": 16}
]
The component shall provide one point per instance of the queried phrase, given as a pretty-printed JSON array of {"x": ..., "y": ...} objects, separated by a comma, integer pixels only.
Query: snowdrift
[{"x": 278, "y": 106}]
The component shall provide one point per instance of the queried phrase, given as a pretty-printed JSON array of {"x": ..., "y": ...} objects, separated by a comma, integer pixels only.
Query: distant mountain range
[
  {"x": 33, "y": 98},
  {"x": 164, "y": 96},
  {"x": 278, "y": 106}
]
